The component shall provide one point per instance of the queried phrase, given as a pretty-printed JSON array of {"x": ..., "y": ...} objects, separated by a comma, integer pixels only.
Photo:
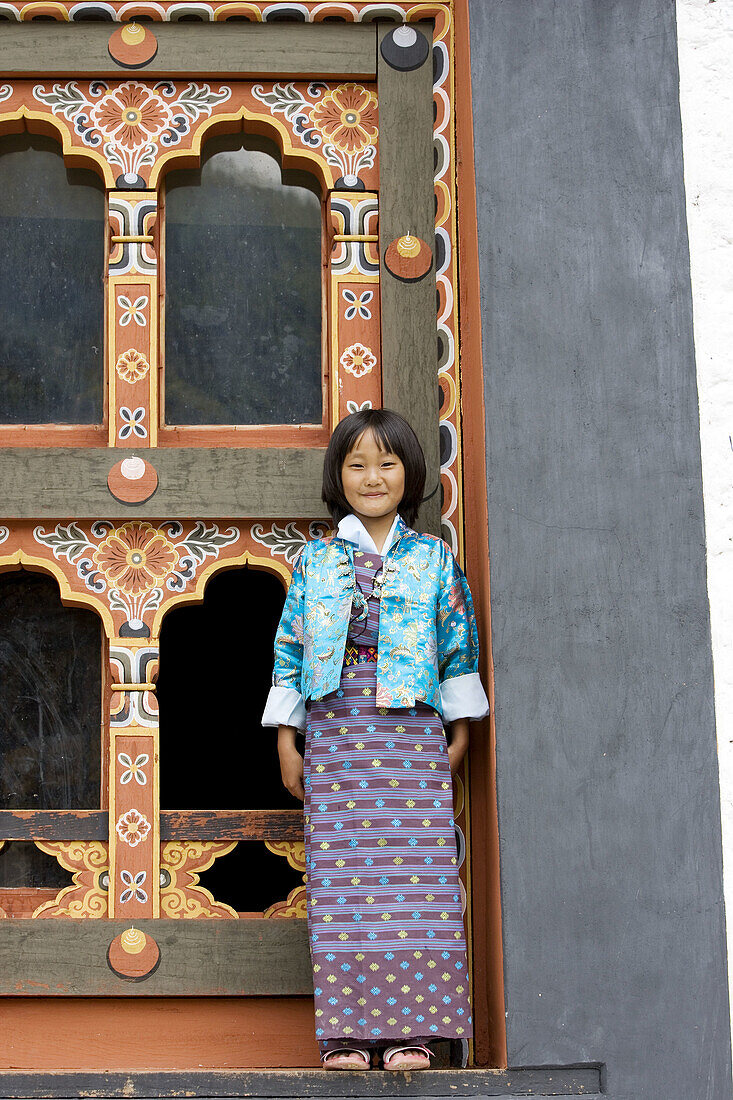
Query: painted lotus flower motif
[
  {"x": 132, "y": 366},
  {"x": 132, "y": 114},
  {"x": 358, "y": 360},
  {"x": 132, "y": 827},
  {"x": 135, "y": 557},
  {"x": 347, "y": 117}
]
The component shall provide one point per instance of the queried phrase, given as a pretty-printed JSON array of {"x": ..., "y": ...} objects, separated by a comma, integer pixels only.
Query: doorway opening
[{"x": 215, "y": 673}]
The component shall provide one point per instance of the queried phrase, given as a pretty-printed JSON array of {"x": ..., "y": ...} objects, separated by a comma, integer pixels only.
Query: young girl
[{"x": 376, "y": 650}]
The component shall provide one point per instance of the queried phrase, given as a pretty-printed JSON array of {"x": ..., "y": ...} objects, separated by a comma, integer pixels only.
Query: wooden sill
[{"x": 53, "y": 435}]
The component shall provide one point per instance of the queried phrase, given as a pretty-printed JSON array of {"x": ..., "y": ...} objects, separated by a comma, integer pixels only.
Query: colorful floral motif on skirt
[{"x": 384, "y": 901}]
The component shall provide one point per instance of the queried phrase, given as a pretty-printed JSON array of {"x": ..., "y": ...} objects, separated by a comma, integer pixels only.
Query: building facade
[{"x": 260, "y": 217}]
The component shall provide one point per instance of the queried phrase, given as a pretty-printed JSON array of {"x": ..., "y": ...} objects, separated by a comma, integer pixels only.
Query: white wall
[{"x": 705, "y": 36}]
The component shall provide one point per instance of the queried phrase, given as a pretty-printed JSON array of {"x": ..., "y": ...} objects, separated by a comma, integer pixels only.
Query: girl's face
[{"x": 373, "y": 479}]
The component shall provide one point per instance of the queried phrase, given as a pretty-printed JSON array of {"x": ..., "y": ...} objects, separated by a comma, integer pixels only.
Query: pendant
[{"x": 359, "y": 601}]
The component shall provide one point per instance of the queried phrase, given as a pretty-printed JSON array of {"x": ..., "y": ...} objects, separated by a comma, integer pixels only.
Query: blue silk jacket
[{"x": 428, "y": 644}]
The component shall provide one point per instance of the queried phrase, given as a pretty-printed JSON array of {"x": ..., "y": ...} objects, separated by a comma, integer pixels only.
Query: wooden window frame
[
  {"x": 67, "y": 435},
  {"x": 243, "y": 435},
  {"x": 70, "y": 476},
  {"x": 182, "y": 495},
  {"x": 273, "y": 482}
]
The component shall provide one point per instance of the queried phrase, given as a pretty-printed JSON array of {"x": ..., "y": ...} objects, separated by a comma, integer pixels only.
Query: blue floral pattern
[{"x": 427, "y": 626}]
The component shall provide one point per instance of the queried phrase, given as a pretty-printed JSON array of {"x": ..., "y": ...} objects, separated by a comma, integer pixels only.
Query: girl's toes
[
  {"x": 346, "y": 1059},
  {"x": 407, "y": 1058}
]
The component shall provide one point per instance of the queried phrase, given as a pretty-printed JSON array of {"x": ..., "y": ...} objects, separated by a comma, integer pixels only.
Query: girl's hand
[
  {"x": 291, "y": 762},
  {"x": 457, "y": 744}
]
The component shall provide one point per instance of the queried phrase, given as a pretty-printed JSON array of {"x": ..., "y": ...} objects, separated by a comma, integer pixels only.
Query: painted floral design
[
  {"x": 134, "y": 886},
  {"x": 357, "y": 305},
  {"x": 131, "y": 367},
  {"x": 132, "y": 421},
  {"x": 288, "y": 540},
  {"x": 135, "y": 557},
  {"x": 133, "y": 768},
  {"x": 347, "y": 117},
  {"x": 355, "y": 407},
  {"x": 130, "y": 121},
  {"x": 343, "y": 120},
  {"x": 132, "y": 827},
  {"x": 131, "y": 115},
  {"x": 358, "y": 360},
  {"x": 132, "y": 311}
]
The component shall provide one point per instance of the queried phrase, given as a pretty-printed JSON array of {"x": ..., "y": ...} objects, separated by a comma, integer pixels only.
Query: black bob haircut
[{"x": 394, "y": 434}]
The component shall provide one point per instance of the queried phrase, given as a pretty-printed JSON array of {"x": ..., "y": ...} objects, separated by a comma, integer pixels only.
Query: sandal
[
  {"x": 407, "y": 1057},
  {"x": 346, "y": 1058}
]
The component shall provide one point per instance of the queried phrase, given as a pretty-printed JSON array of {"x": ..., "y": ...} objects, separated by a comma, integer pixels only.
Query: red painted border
[{"x": 488, "y": 974}]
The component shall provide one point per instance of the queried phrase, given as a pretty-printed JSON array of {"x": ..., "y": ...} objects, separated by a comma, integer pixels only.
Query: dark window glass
[
  {"x": 22, "y": 864},
  {"x": 243, "y": 292},
  {"x": 250, "y": 878},
  {"x": 50, "y": 701},
  {"x": 51, "y": 286}
]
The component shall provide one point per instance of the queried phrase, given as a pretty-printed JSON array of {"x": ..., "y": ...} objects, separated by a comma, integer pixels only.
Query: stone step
[{"x": 438, "y": 1084}]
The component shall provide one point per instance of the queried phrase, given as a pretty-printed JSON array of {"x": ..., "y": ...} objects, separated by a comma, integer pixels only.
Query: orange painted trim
[
  {"x": 53, "y": 435},
  {"x": 243, "y": 435},
  {"x": 488, "y": 973},
  {"x": 156, "y": 1033}
]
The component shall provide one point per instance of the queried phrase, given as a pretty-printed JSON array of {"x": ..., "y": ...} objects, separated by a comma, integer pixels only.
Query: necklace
[{"x": 360, "y": 599}]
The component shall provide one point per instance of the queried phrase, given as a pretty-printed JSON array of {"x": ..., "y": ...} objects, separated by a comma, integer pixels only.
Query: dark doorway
[{"x": 215, "y": 673}]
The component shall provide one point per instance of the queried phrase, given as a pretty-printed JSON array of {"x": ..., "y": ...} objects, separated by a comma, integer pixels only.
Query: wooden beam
[
  {"x": 548, "y": 1081},
  {"x": 207, "y": 482},
  {"x": 214, "y": 50},
  {"x": 174, "y": 825},
  {"x": 54, "y": 824},
  {"x": 407, "y": 204},
  {"x": 231, "y": 825},
  {"x": 200, "y": 958}
]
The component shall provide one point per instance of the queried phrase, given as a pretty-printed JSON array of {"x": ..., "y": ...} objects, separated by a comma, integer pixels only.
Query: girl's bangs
[{"x": 381, "y": 435}]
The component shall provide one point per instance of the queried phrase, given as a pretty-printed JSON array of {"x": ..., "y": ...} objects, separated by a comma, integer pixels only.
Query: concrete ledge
[{"x": 544, "y": 1081}]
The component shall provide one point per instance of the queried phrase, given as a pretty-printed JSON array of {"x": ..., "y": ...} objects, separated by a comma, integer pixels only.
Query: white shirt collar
[{"x": 353, "y": 530}]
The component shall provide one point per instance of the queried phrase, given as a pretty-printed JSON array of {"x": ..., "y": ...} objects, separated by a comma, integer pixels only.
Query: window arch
[
  {"x": 51, "y": 286},
  {"x": 214, "y": 755},
  {"x": 243, "y": 256},
  {"x": 50, "y": 724},
  {"x": 51, "y": 698}
]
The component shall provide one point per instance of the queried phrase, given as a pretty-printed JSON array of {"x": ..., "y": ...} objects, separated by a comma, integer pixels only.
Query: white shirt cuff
[
  {"x": 284, "y": 707},
  {"x": 463, "y": 697}
]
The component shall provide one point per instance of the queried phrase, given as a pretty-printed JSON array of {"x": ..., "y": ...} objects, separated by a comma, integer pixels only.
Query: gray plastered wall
[{"x": 614, "y": 929}]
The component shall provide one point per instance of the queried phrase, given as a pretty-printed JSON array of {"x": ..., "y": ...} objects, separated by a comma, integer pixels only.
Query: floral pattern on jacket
[{"x": 427, "y": 626}]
